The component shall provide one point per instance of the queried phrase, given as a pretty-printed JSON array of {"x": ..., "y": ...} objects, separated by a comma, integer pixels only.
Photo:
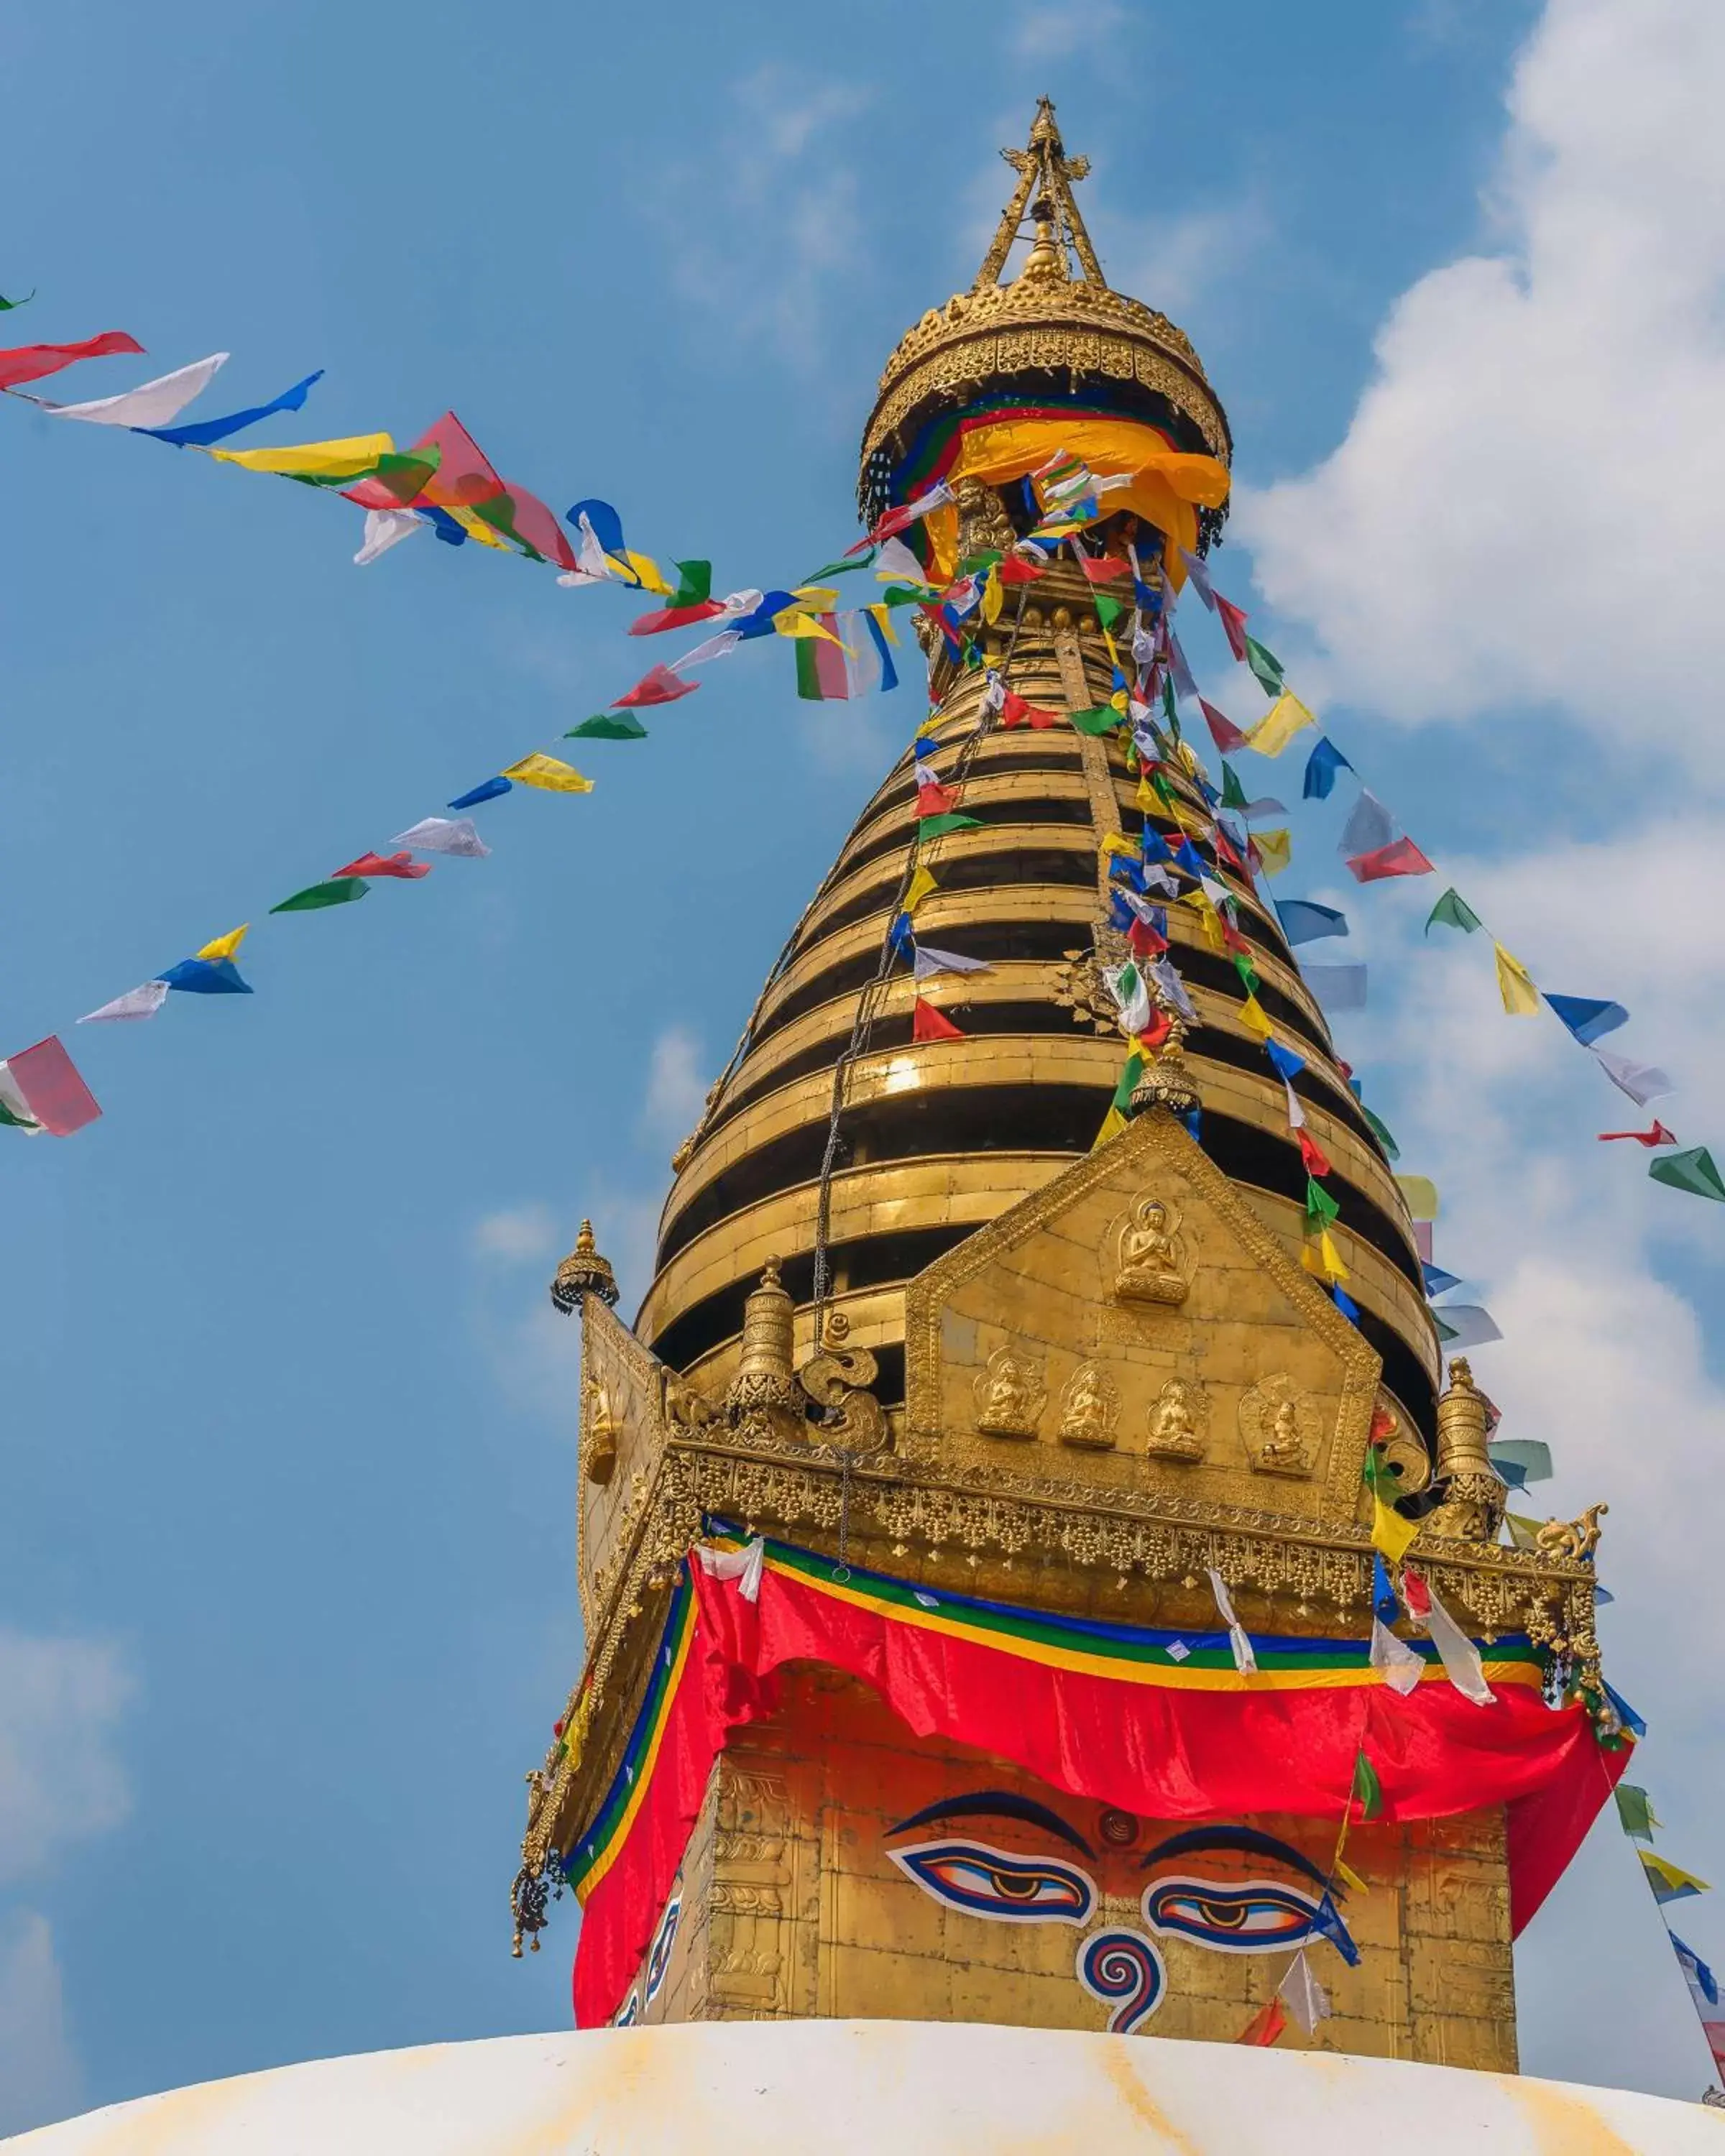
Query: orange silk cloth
[{"x": 1168, "y": 486}]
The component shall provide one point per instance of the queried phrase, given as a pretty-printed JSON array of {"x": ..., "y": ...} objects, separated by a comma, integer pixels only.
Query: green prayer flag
[
  {"x": 1170, "y": 709},
  {"x": 937, "y": 826},
  {"x": 1367, "y": 1791},
  {"x": 1453, "y": 911},
  {"x": 8, "y": 1121},
  {"x": 978, "y": 565},
  {"x": 608, "y": 725},
  {"x": 1129, "y": 1078},
  {"x": 1234, "y": 794},
  {"x": 7, "y": 305},
  {"x": 1319, "y": 1203},
  {"x": 1103, "y": 720},
  {"x": 1692, "y": 1171},
  {"x": 1380, "y": 1131},
  {"x": 1636, "y": 1812},
  {"x": 695, "y": 582},
  {"x": 404, "y": 476},
  {"x": 826, "y": 569},
  {"x": 1108, "y": 609},
  {"x": 900, "y": 595},
  {"x": 1265, "y": 665},
  {"x": 1247, "y": 971},
  {"x": 338, "y": 890}
]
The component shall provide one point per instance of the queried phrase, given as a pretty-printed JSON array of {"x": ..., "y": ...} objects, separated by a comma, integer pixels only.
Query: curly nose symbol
[{"x": 1124, "y": 1970}]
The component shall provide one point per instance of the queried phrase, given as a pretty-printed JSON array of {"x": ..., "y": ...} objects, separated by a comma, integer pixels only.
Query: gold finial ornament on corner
[
  {"x": 1474, "y": 1492},
  {"x": 765, "y": 1382},
  {"x": 583, "y": 1272}
]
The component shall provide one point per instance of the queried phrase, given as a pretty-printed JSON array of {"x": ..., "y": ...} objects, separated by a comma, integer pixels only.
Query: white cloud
[
  {"x": 60, "y": 1781},
  {"x": 767, "y": 220},
  {"x": 518, "y": 1235},
  {"x": 1529, "y": 505},
  {"x": 676, "y": 1086},
  {"x": 1057, "y": 29},
  {"x": 39, "y": 2078}
]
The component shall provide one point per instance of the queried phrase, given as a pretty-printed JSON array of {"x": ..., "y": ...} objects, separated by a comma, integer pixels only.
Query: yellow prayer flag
[
  {"x": 994, "y": 595},
  {"x": 1116, "y": 842},
  {"x": 1667, "y": 1879},
  {"x": 1287, "y": 716},
  {"x": 921, "y": 883},
  {"x": 1421, "y": 1195},
  {"x": 1113, "y": 1123},
  {"x": 823, "y": 598},
  {"x": 1275, "y": 850},
  {"x": 475, "y": 527},
  {"x": 793, "y": 622},
  {"x": 1148, "y": 797},
  {"x": 224, "y": 946},
  {"x": 648, "y": 571},
  {"x": 1251, "y": 1012},
  {"x": 1350, "y": 1878},
  {"x": 343, "y": 459},
  {"x": 1390, "y": 1533},
  {"x": 881, "y": 616},
  {"x": 550, "y": 773},
  {"x": 1515, "y": 984},
  {"x": 1189, "y": 821},
  {"x": 1319, "y": 1256}
]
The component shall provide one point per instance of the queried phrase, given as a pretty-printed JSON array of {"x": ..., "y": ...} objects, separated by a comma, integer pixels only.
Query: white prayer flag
[
  {"x": 1245, "y": 1660},
  {"x": 141, "y": 1002},
  {"x": 1457, "y": 1653},
  {"x": 1132, "y": 995},
  {"x": 1307, "y": 2000},
  {"x": 1369, "y": 826},
  {"x": 1200, "y": 576},
  {"x": 386, "y": 528},
  {"x": 1642, "y": 1081},
  {"x": 445, "y": 834},
  {"x": 1172, "y": 987},
  {"x": 716, "y": 647},
  {"x": 896, "y": 564},
  {"x": 1296, "y": 1114},
  {"x": 1464, "y": 1324},
  {"x": 152, "y": 405},
  {"x": 928, "y": 960},
  {"x": 1394, "y": 1660}
]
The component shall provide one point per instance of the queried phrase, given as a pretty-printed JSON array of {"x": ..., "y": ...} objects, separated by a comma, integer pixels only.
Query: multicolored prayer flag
[{"x": 856, "y": 663}]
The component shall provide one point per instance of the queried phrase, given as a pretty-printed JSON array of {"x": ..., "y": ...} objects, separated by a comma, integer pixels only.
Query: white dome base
[{"x": 857, "y": 2089}]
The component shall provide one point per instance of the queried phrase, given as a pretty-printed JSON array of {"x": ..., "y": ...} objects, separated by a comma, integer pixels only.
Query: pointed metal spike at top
[{"x": 1046, "y": 173}]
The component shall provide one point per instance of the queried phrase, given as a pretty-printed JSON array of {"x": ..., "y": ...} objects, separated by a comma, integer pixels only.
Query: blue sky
[{"x": 286, "y": 1595}]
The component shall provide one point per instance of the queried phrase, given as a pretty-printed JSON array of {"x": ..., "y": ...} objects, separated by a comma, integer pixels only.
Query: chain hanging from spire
[{"x": 1044, "y": 168}]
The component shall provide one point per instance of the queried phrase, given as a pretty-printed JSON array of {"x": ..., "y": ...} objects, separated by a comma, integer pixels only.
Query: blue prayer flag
[
  {"x": 1384, "y": 1605},
  {"x": 488, "y": 791},
  {"x": 607, "y": 524},
  {"x": 442, "y": 525},
  {"x": 1287, "y": 1064},
  {"x": 1304, "y": 923},
  {"x": 1327, "y": 1924},
  {"x": 201, "y": 433},
  {"x": 1626, "y": 1714},
  {"x": 207, "y": 976},
  {"x": 1700, "y": 1977},
  {"x": 1345, "y": 1303},
  {"x": 1588, "y": 1020},
  {"x": 1438, "y": 1282},
  {"x": 1154, "y": 846},
  {"x": 1324, "y": 761}
]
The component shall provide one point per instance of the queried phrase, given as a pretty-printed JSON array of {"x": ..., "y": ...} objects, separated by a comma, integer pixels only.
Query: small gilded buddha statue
[
  {"x": 1088, "y": 1420},
  {"x": 1285, "y": 1448},
  {"x": 1175, "y": 1417},
  {"x": 1009, "y": 1395},
  {"x": 601, "y": 1434},
  {"x": 1150, "y": 1259}
]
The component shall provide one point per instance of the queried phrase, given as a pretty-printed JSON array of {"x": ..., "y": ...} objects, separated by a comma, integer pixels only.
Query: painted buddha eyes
[
  {"x": 990, "y": 1882},
  {"x": 1252, "y": 1918}
]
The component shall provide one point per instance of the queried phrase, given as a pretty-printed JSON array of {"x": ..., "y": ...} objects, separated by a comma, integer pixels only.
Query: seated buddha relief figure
[
  {"x": 1009, "y": 1394},
  {"x": 1176, "y": 1417},
  {"x": 1151, "y": 1259},
  {"x": 1089, "y": 1408}
]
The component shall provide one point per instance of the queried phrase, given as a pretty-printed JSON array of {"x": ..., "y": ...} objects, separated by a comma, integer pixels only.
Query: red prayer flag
[
  {"x": 385, "y": 864},
  {"x": 30, "y": 362},
  {"x": 1103, "y": 569},
  {"x": 1157, "y": 1031},
  {"x": 934, "y": 799},
  {"x": 1658, "y": 1136},
  {"x": 1312, "y": 1153},
  {"x": 660, "y": 618},
  {"x": 54, "y": 1092},
  {"x": 1224, "y": 732},
  {"x": 659, "y": 684},
  {"x": 1015, "y": 569},
  {"x": 1234, "y": 622},
  {"x": 1271, "y": 2017},
  {"x": 1400, "y": 857},
  {"x": 927, "y": 1023},
  {"x": 1143, "y": 941},
  {"x": 1016, "y": 712},
  {"x": 1226, "y": 852}
]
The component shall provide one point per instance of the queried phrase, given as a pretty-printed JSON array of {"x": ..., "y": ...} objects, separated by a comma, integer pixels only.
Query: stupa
[
  {"x": 975, "y": 1525},
  {"x": 994, "y": 1695}
]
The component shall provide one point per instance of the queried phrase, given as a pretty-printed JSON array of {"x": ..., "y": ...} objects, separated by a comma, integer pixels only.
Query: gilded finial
[
  {"x": 1473, "y": 1491},
  {"x": 765, "y": 1381},
  {"x": 583, "y": 1272},
  {"x": 1047, "y": 173}
]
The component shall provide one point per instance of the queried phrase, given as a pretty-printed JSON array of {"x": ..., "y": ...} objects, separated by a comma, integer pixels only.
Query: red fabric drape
[{"x": 1162, "y": 1751}]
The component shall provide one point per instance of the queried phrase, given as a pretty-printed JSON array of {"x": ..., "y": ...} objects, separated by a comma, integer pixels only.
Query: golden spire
[
  {"x": 1043, "y": 169},
  {"x": 583, "y": 1272}
]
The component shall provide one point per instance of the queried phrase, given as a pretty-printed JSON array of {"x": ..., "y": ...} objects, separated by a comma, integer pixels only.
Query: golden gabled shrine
[{"x": 948, "y": 1445}]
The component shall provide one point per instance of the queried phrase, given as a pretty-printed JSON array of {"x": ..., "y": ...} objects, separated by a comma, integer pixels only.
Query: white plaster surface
[{"x": 873, "y": 2088}]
